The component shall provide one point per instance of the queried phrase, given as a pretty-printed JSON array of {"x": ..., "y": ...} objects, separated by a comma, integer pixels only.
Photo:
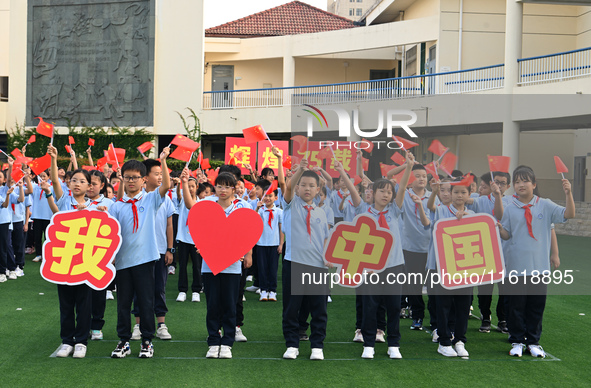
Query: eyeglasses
[
  {"x": 223, "y": 188},
  {"x": 75, "y": 181},
  {"x": 500, "y": 184},
  {"x": 131, "y": 178}
]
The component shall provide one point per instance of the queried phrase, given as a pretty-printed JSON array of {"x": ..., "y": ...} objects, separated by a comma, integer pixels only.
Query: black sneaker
[
  {"x": 503, "y": 327},
  {"x": 417, "y": 324},
  {"x": 147, "y": 350},
  {"x": 485, "y": 326},
  {"x": 304, "y": 336},
  {"x": 121, "y": 350}
]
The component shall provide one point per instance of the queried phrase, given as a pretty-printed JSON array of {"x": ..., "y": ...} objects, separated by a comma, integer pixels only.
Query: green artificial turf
[{"x": 29, "y": 334}]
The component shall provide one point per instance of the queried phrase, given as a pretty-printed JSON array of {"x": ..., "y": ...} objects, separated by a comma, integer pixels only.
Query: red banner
[
  {"x": 344, "y": 152},
  {"x": 243, "y": 153},
  {"x": 265, "y": 157}
]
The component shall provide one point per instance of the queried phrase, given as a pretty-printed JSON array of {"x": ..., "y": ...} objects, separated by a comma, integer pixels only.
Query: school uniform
[
  {"x": 448, "y": 302},
  {"x": 349, "y": 211},
  {"x": 187, "y": 251},
  {"x": 175, "y": 224},
  {"x": 267, "y": 255},
  {"x": 41, "y": 215},
  {"x": 336, "y": 196},
  {"x": 18, "y": 210},
  {"x": 528, "y": 250},
  {"x": 136, "y": 259},
  {"x": 329, "y": 213},
  {"x": 5, "y": 222}
]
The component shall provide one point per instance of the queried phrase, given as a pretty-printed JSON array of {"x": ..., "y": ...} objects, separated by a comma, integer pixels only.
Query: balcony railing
[{"x": 543, "y": 69}]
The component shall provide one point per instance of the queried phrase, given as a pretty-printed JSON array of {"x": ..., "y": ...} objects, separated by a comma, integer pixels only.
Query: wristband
[{"x": 48, "y": 195}]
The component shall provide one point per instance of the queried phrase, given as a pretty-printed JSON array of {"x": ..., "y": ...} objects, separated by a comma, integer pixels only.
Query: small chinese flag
[
  {"x": 90, "y": 142},
  {"x": 71, "y": 140},
  {"x": 88, "y": 168},
  {"x": 145, "y": 147},
  {"x": 254, "y": 134},
  {"x": 185, "y": 142},
  {"x": 17, "y": 174},
  {"x": 465, "y": 181},
  {"x": 437, "y": 148},
  {"x": 238, "y": 155},
  {"x": 398, "y": 177},
  {"x": 68, "y": 148},
  {"x": 32, "y": 139},
  {"x": 368, "y": 149},
  {"x": 356, "y": 180},
  {"x": 431, "y": 169},
  {"x": 181, "y": 153},
  {"x": 17, "y": 153},
  {"x": 116, "y": 186},
  {"x": 499, "y": 163},
  {"x": 4, "y": 166},
  {"x": 45, "y": 129},
  {"x": 398, "y": 158},
  {"x": 364, "y": 163},
  {"x": 40, "y": 164},
  {"x": 560, "y": 166},
  {"x": 448, "y": 163},
  {"x": 287, "y": 163},
  {"x": 384, "y": 168},
  {"x": 406, "y": 144},
  {"x": 115, "y": 156},
  {"x": 302, "y": 144},
  {"x": 212, "y": 175},
  {"x": 273, "y": 187},
  {"x": 325, "y": 153},
  {"x": 101, "y": 163},
  {"x": 205, "y": 164},
  {"x": 249, "y": 185},
  {"x": 232, "y": 161}
]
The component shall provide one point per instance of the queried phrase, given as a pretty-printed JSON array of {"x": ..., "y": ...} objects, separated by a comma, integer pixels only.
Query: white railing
[{"x": 555, "y": 67}]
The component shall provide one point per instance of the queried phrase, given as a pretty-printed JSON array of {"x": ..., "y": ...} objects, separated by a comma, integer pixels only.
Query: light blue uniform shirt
[
  {"x": 166, "y": 210},
  {"x": 270, "y": 236},
  {"x": 5, "y": 212},
  {"x": 414, "y": 236},
  {"x": 67, "y": 203},
  {"x": 40, "y": 209},
  {"x": 441, "y": 212},
  {"x": 18, "y": 214},
  {"x": 302, "y": 247},
  {"x": 329, "y": 213},
  {"x": 182, "y": 233},
  {"x": 335, "y": 201},
  {"x": 392, "y": 215},
  {"x": 139, "y": 247},
  {"x": 100, "y": 201},
  {"x": 349, "y": 211},
  {"x": 235, "y": 268},
  {"x": 523, "y": 253},
  {"x": 486, "y": 204}
]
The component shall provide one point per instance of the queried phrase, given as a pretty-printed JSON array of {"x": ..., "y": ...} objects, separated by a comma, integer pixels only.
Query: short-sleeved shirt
[
  {"x": 17, "y": 209},
  {"x": 270, "y": 236},
  {"x": 182, "y": 233},
  {"x": 303, "y": 247},
  {"x": 139, "y": 246},
  {"x": 5, "y": 212},
  {"x": 414, "y": 236},
  {"x": 166, "y": 210},
  {"x": 524, "y": 253},
  {"x": 349, "y": 210},
  {"x": 68, "y": 202},
  {"x": 336, "y": 196},
  {"x": 101, "y": 200},
  {"x": 440, "y": 213},
  {"x": 329, "y": 213},
  {"x": 40, "y": 209}
]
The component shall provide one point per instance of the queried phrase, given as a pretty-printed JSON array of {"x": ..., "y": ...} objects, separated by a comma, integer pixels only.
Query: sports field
[{"x": 29, "y": 334}]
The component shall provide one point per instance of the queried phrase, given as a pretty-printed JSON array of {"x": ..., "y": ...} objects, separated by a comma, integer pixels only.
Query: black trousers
[
  {"x": 4, "y": 243},
  {"x": 18, "y": 244},
  {"x": 268, "y": 261},
  {"x": 175, "y": 228},
  {"x": 39, "y": 226},
  {"x": 415, "y": 263},
  {"x": 99, "y": 304},
  {"x": 526, "y": 310},
  {"x": 254, "y": 268},
  {"x": 160, "y": 277},
  {"x": 138, "y": 280},
  {"x": 452, "y": 303},
  {"x": 485, "y": 300},
  {"x": 189, "y": 252},
  {"x": 317, "y": 305},
  {"x": 221, "y": 292},
  {"x": 381, "y": 313},
  {"x": 75, "y": 306},
  {"x": 239, "y": 303}
]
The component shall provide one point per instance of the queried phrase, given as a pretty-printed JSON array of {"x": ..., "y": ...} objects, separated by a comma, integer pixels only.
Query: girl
[
  {"x": 221, "y": 290},
  {"x": 527, "y": 223},
  {"x": 41, "y": 213},
  {"x": 75, "y": 301},
  {"x": 5, "y": 220}
]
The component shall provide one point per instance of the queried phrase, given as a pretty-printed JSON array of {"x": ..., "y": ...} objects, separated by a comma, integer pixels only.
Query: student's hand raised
[
  {"x": 10, "y": 161},
  {"x": 339, "y": 167},
  {"x": 435, "y": 184},
  {"x": 410, "y": 159},
  {"x": 185, "y": 174},
  {"x": 164, "y": 154},
  {"x": 277, "y": 152},
  {"x": 304, "y": 164},
  {"x": 89, "y": 150},
  {"x": 45, "y": 186},
  {"x": 566, "y": 186},
  {"x": 52, "y": 151},
  {"x": 416, "y": 199},
  {"x": 494, "y": 188},
  {"x": 10, "y": 190}
]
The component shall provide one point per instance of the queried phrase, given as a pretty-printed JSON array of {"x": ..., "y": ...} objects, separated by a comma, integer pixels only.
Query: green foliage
[
  {"x": 178, "y": 165},
  {"x": 194, "y": 132}
]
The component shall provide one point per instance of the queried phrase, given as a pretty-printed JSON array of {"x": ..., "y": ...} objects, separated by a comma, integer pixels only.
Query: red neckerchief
[
  {"x": 308, "y": 218},
  {"x": 528, "y": 216},
  {"x": 381, "y": 219},
  {"x": 270, "y": 217},
  {"x": 452, "y": 211},
  {"x": 13, "y": 209},
  {"x": 134, "y": 210},
  {"x": 416, "y": 206}
]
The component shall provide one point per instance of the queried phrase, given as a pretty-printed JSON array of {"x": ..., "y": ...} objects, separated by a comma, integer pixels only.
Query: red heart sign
[{"x": 210, "y": 230}]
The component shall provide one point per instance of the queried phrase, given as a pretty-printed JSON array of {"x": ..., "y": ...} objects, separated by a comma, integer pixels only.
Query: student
[
  {"x": 459, "y": 300},
  {"x": 110, "y": 192},
  {"x": 270, "y": 244},
  {"x": 387, "y": 209},
  {"x": 260, "y": 188},
  {"x": 19, "y": 206},
  {"x": 323, "y": 204},
  {"x": 527, "y": 223},
  {"x": 5, "y": 220},
  {"x": 75, "y": 301},
  {"x": 41, "y": 213},
  {"x": 135, "y": 261}
]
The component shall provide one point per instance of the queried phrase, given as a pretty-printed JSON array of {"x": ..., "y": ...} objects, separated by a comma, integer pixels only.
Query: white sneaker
[
  {"x": 447, "y": 351},
  {"x": 536, "y": 351},
  {"x": 96, "y": 335},
  {"x": 435, "y": 336},
  {"x": 243, "y": 298},
  {"x": 329, "y": 299},
  {"x": 65, "y": 350},
  {"x": 37, "y": 259},
  {"x": 162, "y": 332},
  {"x": 2, "y": 278},
  {"x": 12, "y": 275},
  {"x": 264, "y": 296},
  {"x": 249, "y": 278},
  {"x": 380, "y": 336},
  {"x": 460, "y": 349},
  {"x": 182, "y": 297},
  {"x": 358, "y": 336},
  {"x": 239, "y": 336},
  {"x": 368, "y": 352},
  {"x": 213, "y": 352},
  {"x": 79, "y": 351},
  {"x": 225, "y": 351},
  {"x": 171, "y": 270},
  {"x": 516, "y": 350},
  {"x": 252, "y": 289},
  {"x": 137, "y": 334},
  {"x": 272, "y": 296},
  {"x": 394, "y": 352},
  {"x": 317, "y": 354},
  {"x": 19, "y": 272},
  {"x": 195, "y": 297},
  {"x": 291, "y": 353},
  {"x": 110, "y": 295}
]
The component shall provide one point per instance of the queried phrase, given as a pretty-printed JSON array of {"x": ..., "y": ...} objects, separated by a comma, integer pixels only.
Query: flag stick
[
  {"x": 8, "y": 156},
  {"x": 441, "y": 157},
  {"x": 142, "y": 154},
  {"x": 199, "y": 158},
  {"x": 115, "y": 154},
  {"x": 187, "y": 164},
  {"x": 562, "y": 175},
  {"x": 492, "y": 178}
]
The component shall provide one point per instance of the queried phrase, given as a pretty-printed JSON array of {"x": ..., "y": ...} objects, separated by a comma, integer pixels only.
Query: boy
[{"x": 135, "y": 261}]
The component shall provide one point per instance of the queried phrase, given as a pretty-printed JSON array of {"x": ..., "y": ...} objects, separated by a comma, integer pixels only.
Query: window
[
  {"x": 411, "y": 62},
  {"x": 3, "y": 88},
  {"x": 359, "y": 12},
  {"x": 351, "y": 1},
  {"x": 360, "y": 1},
  {"x": 351, "y": 11}
]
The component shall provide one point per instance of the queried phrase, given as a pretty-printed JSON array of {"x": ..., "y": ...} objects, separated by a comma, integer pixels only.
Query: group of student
[{"x": 298, "y": 217}]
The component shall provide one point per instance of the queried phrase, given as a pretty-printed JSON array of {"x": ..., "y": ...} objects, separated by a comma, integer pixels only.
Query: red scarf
[
  {"x": 308, "y": 218},
  {"x": 271, "y": 217},
  {"x": 134, "y": 210},
  {"x": 381, "y": 219}
]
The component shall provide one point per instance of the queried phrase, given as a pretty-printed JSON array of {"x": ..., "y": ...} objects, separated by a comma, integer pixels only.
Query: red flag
[
  {"x": 17, "y": 153},
  {"x": 212, "y": 175},
  {"x": 101, "y": 163},
  {"x": 115, "y": 156},
  {"x": 90, "y": 142},
  {"x": 185, "y": 142},
  {"x": 232, "y": 161},
  {"x": 40, "y": 164},
  {"x": 116, "y": 187},
  {"x": 5, "y": 166},
  {"x": 406, "y": 144},
  {"x": 465, "y": 181},
  {"x": 398, "y": 177},
  {"x": 181, "y": 153},
  {"x": 448, "y": 163},
  {"x": 205, "y": 164},
  {"x": 249, "y": 185},
  {"x": 325, "y": 153},
  {"x": 560, "y": 166},
  {"x": 32, "y": 139},
  {"x": 398, "y": 158},
  {"x": 356, "y": 180},
  {"x": 364, "y": 163},
  {"x": 71, "y": 140},
  {"x": 68, "y": 149},
  {"x": 88, "y": 168},
  {"x": 254, "y": 134},
  {"x": 437, "y": 148},
  {"x": 499, "y": 163},
  {"x": 370, "y": 148},
  {"x": 17, "y": 174},
  {"x": 273, "y": 187},
  {"x": 145, "y": 147},
  {"x": 384, "y": 168},
  {"x": 431, "y": 169},
  {"x": 287, "y": 162},
  {"x": 302, "y": 142},
  {"x": 44, "y": 128}
]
